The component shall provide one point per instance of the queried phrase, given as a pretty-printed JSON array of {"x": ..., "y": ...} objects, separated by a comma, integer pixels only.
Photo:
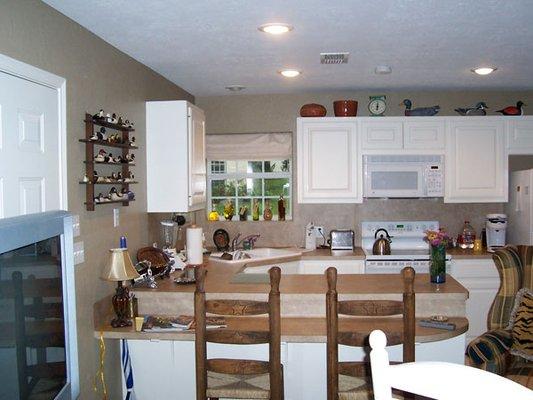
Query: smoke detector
[{"x": 334, "y": 58}]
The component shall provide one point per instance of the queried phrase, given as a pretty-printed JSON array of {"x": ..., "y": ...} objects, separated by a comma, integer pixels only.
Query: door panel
[
  {"x": 424, "y": 135},
  {"x": 382, "y": 135},
  {"x": 29, "y": 147},
  {"x": 520, "y": 138},
  {"x": 476, "y": 166},
  {"x": 328, "y": 168},
  {"x": 197, "y": 178}
]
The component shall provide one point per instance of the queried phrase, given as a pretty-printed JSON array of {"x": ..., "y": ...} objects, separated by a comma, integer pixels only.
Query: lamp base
[{"x": 120, "y": 305}]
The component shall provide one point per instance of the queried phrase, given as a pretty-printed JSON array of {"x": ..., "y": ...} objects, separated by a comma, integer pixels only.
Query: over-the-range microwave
[{"x": 403, "y": 176}]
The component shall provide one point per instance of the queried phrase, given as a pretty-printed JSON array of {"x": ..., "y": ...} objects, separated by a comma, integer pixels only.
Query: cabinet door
[
  {"x": 381, "y": 135},
  {"x": 328, "y": 162},
  {"x": 476, "y": 163},
  {"x": 197, "y": 160},
  {"x": 482, "y": 280},
  {"x": 424, "y": 134},
  {"x": 520, "y": 136}
]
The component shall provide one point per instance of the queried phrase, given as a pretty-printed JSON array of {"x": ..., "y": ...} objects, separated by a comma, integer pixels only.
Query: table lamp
[{"x": 119, "y": 268}]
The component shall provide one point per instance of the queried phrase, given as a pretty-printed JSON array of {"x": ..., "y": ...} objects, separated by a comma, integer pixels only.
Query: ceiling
[{"x": 205, "y": 45}]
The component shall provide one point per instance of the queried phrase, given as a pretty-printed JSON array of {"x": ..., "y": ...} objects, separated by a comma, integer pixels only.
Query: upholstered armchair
[{"x": 490, "y": 351}]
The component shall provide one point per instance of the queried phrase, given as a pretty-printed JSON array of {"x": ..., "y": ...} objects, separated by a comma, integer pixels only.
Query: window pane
[
  {"x": 255, "y": 166},
  {"x": 254, "y": 187},
  {"x": 242, "y": 188},
  {"x": 218, "y": 167},
  {"x": 277, "y": 166},
  {"x": 217, "y": 188},
  {"x": 276, "y": 187}
]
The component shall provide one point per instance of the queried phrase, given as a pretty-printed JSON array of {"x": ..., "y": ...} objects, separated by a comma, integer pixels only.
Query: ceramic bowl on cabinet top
[{"x": 313, "y": 110}]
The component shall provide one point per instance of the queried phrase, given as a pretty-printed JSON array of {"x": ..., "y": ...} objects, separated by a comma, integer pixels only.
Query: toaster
[{"x": 341, "y": 239}]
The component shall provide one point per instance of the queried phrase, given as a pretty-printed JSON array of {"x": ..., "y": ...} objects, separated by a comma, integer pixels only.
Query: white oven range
[{"x": 408, "y": 248}]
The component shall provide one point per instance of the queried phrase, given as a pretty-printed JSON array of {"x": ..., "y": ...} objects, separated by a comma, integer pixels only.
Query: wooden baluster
[
  {"x": 200, "y": 333},
  {"x": 276, "y": 384},
  {"x": 408, "y": 275},
  {"x": 332, "y": 319}
]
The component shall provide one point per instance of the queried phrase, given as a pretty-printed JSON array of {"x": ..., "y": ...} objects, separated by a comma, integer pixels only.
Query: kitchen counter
[
  {"x": 320, "y": 254},
  {"x": 458, "y": 253}
]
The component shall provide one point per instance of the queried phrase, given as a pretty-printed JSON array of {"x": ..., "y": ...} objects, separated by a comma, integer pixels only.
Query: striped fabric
[
  {"x": 509, "y": 266},
  {"x": 490, "y": 351},
  {"x": 526, "y": 257},
  {"x": 521, "y": 324}
]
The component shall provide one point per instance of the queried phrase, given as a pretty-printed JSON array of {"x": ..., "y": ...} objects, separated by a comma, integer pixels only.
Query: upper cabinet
[
  {"x": 520, "y": 137},
  {"x": 400, "y": 133},
  {"x": 175, "y": 156},
  {"x": 329, "y": 169},
  {"x": 476, "y": 161}
]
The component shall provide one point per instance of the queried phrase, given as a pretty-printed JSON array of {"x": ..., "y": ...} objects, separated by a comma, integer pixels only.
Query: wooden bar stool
[
  {"x": 351, "y": 380},
  {"x": 233, "y": 378}
]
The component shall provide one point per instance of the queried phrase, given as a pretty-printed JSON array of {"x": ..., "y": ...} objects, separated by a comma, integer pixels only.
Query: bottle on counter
[{"x": 468, "y": 236}]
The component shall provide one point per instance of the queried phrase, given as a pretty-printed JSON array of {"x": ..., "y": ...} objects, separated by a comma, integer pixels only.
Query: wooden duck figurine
[
  {"x": 478, "y": 109},
  {"x": 512, "y": 110},
  {"x": 101, "y": 156},
  {"x": 419, "y": 111},
  {"x": 114, "y": 195},
  {"x": 99, "y": 115}
]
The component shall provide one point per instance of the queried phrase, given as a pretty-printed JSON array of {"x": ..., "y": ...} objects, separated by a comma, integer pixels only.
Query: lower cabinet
[
  {"x": 482, "y": 280},
  {"x": 166, "y": 369}
]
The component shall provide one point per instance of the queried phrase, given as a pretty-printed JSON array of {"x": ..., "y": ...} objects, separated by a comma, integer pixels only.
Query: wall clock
[{"x": 377, "y": 106}]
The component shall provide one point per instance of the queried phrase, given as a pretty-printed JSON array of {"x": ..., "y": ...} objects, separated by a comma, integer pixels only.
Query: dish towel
[{"x": 127, "y": 369}]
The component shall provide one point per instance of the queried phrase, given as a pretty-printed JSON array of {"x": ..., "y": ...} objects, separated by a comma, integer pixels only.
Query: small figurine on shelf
[
  {"x": 130, "y": 158},
  {"x": 127, "y": 194},
  {"x": 86, "y": 179},
  {"x": 100, "y": 157},
  {"x": 114, "y": 176},
  {"x": 128, "y": 123},
  {"x": 113, "y": 118},
  {"x": 109, "y": 158},
  {"x": 229, "y": 210},
  {"x": 119, "y": 177},
  {"x": 119, "y": 121},
  {"x": 213, "y": 215},
  {"x": 243, "y": 213},
  {"x": 129, "y": 178},
  {"x": 108, "y": 117},
  {"x": 281, "y": 208},
  {"x": 115, "y": 196},
  {"x": 255, "y": 210},
  {"x": 267, "y": 214},
  {"x": 133, "y": 143},
  {"x": 118, "y": 160},
  {"x": 99, "y": 115},
  {"x": 95, "y": 176}
]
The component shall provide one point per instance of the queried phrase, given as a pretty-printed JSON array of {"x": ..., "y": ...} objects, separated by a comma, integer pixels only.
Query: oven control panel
[{"x": 399, "y": 228}]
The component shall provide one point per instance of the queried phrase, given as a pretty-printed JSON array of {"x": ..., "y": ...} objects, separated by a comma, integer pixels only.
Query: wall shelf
[{"x": 90, "y": 162}]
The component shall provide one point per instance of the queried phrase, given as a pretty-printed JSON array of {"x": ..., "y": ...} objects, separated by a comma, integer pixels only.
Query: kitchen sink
[{"x": 260, "y": 253}]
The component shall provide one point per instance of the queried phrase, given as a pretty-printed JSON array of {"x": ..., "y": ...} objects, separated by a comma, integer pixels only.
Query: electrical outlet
[
  {"x": 79, "y": 253},
  {"x": 116, "y": 217},
  {"x": 319, "y": 231},
  {"x": 76, "y": 225}
]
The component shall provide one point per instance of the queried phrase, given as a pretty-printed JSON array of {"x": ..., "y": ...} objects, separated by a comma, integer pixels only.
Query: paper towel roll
[{"x": 194, "y": 246}]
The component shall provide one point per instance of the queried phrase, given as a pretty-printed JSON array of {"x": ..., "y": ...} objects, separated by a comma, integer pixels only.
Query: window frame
[{"x": 249, "y": 175}]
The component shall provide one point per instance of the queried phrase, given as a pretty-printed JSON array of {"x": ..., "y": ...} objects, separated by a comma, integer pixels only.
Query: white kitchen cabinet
[
  {"x": 476, "y": 161},
  {"x": 520, "y": 135},
  {"x": 382, "y": 134},
  {"x": 175, "y": 156},
  {"x": 482, "y": 280},
  {"x": 329, "y": 166},
  {"x": 425, "y": 135}
]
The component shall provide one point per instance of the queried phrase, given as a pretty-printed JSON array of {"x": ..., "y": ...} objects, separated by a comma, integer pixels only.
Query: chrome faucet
[{"x": 235, "y": 243}]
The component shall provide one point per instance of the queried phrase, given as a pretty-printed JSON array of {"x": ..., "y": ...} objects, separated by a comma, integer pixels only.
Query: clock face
[{"x": 377, "y": 106}]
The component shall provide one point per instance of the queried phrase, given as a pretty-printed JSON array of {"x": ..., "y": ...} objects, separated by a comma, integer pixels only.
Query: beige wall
[
  {"x": 253, "y": 113},
  {"x": 98, "y": 76}
]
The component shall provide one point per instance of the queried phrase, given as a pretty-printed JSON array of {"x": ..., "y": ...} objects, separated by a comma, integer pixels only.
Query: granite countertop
[{"x": 459, "y": 254}]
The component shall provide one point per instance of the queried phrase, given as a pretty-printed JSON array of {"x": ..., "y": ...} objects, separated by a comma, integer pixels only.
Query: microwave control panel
[{"x": 434, "y": 180}]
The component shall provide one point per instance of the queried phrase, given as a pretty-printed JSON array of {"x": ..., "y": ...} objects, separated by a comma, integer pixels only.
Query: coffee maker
[{"x": 496, "y": 225}]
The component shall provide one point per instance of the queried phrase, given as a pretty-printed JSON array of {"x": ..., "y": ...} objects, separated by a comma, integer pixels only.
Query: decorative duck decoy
[
  {"x": 130, "y": 178},
  {"x": 114, "y": 176},
  {"x": 118, "y": 159},
  {"x": 512, "y": 110},
  {"x": 130, "y": 158},
  {"x": 133, "y": 143},
  {"x": 419, "y": 111},
  {"x": 114, "y": 195},
  {"x": 119, "y": 177},
  {"x": 109, "y": 158},
  {"x": 101, "y": 156},
  {"x": 478, "y": 109},
  {"x": 100, "y": 198},
  {"x": 114, "y": 119},
  {"x": 99, "y": 115}
]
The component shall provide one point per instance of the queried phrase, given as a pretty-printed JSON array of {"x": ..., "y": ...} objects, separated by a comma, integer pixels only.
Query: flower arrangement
[{"x": 438, "y": 238}]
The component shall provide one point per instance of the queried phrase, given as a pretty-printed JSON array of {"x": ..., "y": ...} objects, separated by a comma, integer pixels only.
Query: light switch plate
[
  {"x": 76, "y": 225},
  {"x": 116, "y": 217},
  {"x": 79, "y": 253}
]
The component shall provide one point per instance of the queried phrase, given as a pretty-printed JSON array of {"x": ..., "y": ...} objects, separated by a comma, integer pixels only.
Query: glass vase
[{"x": 437, "y": 267}]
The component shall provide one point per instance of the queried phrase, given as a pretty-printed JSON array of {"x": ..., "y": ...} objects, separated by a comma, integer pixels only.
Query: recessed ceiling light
[
  {"x": 235, "y": 88},
  {"x": 484, "y": 70},
  {"x": 383, "y": 70},
  {"x": 290, "y": 73},
  {"x": 276, "y": 28}
]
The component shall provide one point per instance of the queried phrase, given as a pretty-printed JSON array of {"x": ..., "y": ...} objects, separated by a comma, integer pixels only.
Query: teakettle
[{"x": 381, "y": 246}]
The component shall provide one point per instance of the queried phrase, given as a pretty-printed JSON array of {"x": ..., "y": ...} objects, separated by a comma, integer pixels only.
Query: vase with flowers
[{"x": 438, "y": 241}]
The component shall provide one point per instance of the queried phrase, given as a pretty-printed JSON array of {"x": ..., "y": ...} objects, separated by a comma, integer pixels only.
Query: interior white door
[
  {"x": 197, "y": 162},
  {"x": 476, "y": 162},
  {"x": 30, "y": 159}
]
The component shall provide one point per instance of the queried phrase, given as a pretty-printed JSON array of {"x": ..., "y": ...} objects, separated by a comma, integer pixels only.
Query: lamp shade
[{"x": 119, "y": 266}]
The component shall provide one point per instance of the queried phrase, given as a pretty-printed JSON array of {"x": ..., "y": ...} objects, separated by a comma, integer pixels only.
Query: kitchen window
[{"x": 240, "y": 182}]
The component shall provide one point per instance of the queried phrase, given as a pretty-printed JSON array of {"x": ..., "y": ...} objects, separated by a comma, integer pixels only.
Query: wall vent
[{"x": 334, "y": 58}]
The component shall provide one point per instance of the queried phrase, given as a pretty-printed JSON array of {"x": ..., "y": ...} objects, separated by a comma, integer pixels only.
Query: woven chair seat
[
  {"x": 358, "y": 388},
  {"x": 238, "y": 386}
]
